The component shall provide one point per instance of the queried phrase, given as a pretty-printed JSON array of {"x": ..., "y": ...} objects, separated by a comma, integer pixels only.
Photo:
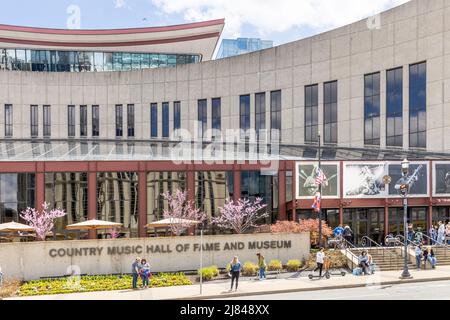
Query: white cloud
[
  {"x": 269, "y": 16},
  {"x": 120, "y": 4}
]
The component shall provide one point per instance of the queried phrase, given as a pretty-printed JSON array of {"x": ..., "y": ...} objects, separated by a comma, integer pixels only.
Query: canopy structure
[
  {"x": 14, "y": 227},
  {"x": 93, "y": 225},
  {"x": 166, "y": 223},
  {"x": 105, "y": 150}
]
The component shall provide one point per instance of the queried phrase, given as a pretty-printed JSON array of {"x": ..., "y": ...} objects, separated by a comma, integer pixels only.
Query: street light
[
  {"x": 403, "y": 187},
  {"x": 320, "y": 193}
]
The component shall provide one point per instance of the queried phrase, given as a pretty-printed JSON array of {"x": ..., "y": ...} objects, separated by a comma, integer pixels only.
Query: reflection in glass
[
  {"x": 212, "y": 188},
  {"x": 67, "y": 191},
  {"x": 394, "y": 108},
  {"x": 417, "y": 105},
  {"x": 117, "y": 199},
  {"x": 157, "y": 184},
  {"x": 17, "y": 192}
]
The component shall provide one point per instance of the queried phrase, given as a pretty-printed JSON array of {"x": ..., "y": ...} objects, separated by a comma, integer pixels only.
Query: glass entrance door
[
  {"x": 416, "y": 216},
  {"x": 365, "y": 222}
]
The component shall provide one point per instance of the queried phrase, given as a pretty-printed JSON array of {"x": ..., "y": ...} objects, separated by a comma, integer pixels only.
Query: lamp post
[
  {"x": 404, "y": 190},
  {"x": 320, "y": 192}
]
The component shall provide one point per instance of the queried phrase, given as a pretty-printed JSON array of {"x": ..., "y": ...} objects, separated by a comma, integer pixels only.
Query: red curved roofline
[{"x": 186, "y": 26}]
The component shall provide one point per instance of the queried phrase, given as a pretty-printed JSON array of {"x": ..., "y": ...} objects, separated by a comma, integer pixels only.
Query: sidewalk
[{"x": 219, "y": 290}]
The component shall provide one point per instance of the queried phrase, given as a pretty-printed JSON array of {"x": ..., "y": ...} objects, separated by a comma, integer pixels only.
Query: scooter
[{"x": 327, "y": 274}]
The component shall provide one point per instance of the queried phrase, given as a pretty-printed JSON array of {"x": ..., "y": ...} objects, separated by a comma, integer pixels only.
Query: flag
[
  {"x": 320, "y": 177},
  {"x": 316, "y": 203}
]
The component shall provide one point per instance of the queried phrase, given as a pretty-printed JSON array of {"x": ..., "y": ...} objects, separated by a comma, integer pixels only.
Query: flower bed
[{"x": 97, "y": 283}]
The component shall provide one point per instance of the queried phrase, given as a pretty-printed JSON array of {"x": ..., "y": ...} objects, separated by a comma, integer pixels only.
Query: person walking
[
  {"x": 262, "y": 265},
  {"x": 135, "y": 271},
  {"x": 425, "y": 257},
  {"x": 320, "y": 258},
  {"x": 418, "y": 256},
  {"x": 433, "y": 234},
  {"x": 441, "y": 233},
  {"x": 235, "y": 271},
  {"x": 145, "y": 273}
]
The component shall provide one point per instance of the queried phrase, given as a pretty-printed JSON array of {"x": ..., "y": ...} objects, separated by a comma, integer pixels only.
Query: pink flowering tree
[
  {"x": 42, "y": 222},
  {"x": 241, "y": 215},
  {"x": 182, "y": 212}
]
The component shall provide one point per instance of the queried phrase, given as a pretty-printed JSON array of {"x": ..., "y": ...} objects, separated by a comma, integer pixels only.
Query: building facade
[{"x": 98, "y": 142}]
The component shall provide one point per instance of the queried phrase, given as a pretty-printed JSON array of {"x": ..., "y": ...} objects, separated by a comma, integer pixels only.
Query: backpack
[{"x": 357, "y": 271}]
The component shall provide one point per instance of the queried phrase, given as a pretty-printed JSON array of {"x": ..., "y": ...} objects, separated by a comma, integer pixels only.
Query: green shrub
[
  {"x": 275, "y": 265},
  {"x": 209, "y": 273},
  {"x": 96, "y": 283},
  {"x": 293, "y": 265},
  {"x": 249, "y": 269}
]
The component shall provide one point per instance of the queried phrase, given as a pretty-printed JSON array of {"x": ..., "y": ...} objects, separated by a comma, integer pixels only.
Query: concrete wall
[
  {"x": 28, "y": 261},
  {"x": 414, "y": 32}
]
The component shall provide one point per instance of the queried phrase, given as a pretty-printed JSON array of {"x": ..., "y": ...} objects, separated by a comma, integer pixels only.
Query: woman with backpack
[{"x": 235, "y": 271}]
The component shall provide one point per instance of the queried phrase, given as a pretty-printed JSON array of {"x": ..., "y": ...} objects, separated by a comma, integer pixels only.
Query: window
[
  {"x": 311, "y": 113},
  {"x": 34, "y": 121},
  {"x": 418, "y": 105},
  {"x": 165, "y": 119},
  {"x": 216, "y": 105},
  {"x": 394, "y": 108},
  {"x": 95, "y": 121},
  {"x": 83, "y": 121},
  {"x": 372, "y": 109},
  {"x": 8, "y": 120},
  {"x": 154, "y": 120},
  {"x": 119, "y": 120},
  {"x": 71, "y": 121},
  {"x": 330, "y": 112},
  {"x": 130, "y": 120},
  {"x": 202, "y": 117},
  {"x": 176, "y": 115},
  {"x": 244, "y": 113},
  {"x": 260, "y": 114},
  {"x": 275, "y": 113},
  {"x": 47, "y": 121}
]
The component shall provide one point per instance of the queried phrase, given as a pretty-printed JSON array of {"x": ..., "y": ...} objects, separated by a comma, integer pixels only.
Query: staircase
[
  {"x": 387, "y": 258},
  {"x": 442, "y": 255}
]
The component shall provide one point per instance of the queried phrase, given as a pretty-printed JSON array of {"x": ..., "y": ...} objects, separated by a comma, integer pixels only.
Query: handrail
[
  {"x": 384, "y": 249},
  {"x": 349, "y": 244}
]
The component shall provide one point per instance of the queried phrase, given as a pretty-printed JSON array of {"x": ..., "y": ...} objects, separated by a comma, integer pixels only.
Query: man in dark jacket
[{"x": 135, "y": 270}]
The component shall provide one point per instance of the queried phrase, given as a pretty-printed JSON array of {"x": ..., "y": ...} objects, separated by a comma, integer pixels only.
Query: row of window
[
  {"x": 394, "y": 107},
  {"x": 79, "y": 61},
  {"x": 330, "y": 122}
]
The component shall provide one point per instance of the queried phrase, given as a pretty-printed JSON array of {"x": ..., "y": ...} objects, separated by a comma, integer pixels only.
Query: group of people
[
  {"x": 236, "y": 268},
  {"x": 440, "y": 233},
  {"x": 343, "y": 232},
  {"x": 141, "y": 268},
  {"x": 426, "y": 255}
]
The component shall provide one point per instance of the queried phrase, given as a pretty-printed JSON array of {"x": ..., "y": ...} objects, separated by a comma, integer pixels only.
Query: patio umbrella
[
  {"x": 93, "y": 225},
  {"x": 171, "y": 221},
  {"x": 14, "y": 226}
]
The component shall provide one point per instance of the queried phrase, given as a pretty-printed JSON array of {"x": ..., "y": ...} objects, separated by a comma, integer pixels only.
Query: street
[{"x": 412, "y": 291}]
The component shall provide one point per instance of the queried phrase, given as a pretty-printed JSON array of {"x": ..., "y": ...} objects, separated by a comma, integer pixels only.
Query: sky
[{"x": 278, "y": 20}]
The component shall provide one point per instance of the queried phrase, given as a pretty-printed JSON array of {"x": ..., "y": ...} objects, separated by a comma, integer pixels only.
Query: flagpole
[{"x": 320, "y": 193}]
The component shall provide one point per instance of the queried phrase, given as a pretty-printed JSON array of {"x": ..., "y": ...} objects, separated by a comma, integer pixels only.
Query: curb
[{"x": 335, "y": 287}]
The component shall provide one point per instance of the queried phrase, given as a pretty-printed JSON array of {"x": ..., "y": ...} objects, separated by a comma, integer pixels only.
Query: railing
[
  {"x": 368, "y": 242},
  {"x": 342, "y": 244}
]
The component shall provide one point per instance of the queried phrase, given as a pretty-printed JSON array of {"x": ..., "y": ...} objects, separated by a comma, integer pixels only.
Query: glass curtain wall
[
  {"x": 67, "y": 191},
  {"x": 117, "y": 199},
  {"x": 372, "y": 109},
  {"x": 212, "y": 188},
  {"x": 157, "y": 184},
  {"x": 81, "y": 61},
  {"x": 17, "y": 192},
  {"x": 255, "y": 185}
]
